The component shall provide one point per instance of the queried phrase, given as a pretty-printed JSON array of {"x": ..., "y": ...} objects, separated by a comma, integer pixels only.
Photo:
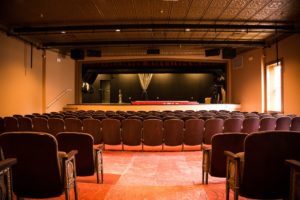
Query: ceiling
[{"x": 166, "y": 24}]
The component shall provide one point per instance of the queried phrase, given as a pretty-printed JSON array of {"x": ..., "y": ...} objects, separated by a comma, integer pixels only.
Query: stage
[{"x": 151, "y": 106}]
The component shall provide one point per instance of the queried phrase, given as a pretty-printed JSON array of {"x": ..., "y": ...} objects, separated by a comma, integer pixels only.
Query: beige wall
[
  {"x": 247, "y": 81},
  {"x": 21, "y": 86}
]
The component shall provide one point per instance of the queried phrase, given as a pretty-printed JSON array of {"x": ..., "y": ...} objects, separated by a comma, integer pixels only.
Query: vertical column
[{"x": 44, "y": 81}]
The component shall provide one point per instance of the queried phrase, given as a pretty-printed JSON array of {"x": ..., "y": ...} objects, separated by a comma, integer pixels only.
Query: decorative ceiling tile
[
  {"x": 246, "y": 14},
  {"x": 238, "y": 3},
  {"x": 263, "y": 14},
  {"x": 229, "y": 14},
  {"x": 276, "y": 4}
]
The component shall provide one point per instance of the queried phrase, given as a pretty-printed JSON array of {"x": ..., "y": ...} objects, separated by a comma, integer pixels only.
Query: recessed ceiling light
[
  {"x": 187, "y": 30},
  {"x": 63, "y": 32},
  {"x": 161, "y": 11},
  {"x": 118, "y": 30}
]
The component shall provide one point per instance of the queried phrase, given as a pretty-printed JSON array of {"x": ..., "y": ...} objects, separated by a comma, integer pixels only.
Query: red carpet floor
[{"x": 135, "y": 175}]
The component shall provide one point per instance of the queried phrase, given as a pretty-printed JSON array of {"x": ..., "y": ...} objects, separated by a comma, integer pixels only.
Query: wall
[
  {"x": 247, "y": 82},
  {"x": 21, "y": 86},
  {"x": 60, "y": 82}
]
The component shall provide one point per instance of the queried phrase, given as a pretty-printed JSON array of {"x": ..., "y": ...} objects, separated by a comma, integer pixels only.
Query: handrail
[{"x": 58, "y": 97}]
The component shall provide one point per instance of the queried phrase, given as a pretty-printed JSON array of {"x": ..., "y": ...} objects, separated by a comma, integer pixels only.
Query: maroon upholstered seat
[
  {"x": 295, "y": 125},
  {"x": 283, "y": 123},
  {"x": 214, "y": 159},
  {"x": 93, "y": 127},
  {"x": 262, "y": 173},
  {"x": 25, "y": 124},
  {"x": 267, "y": 124},
  {"x": 233, "y": 125},
  {"x": 294, "y": 179},
  {"x": 5, "y": 178},
  {"x": 131, "y": 132},
  {"x": 87, "y": 162},
  {"x": 2, "y": 128},
  {"x": 40, "y": 172},
  {"x": 250, "y": 125},
  {"x": 40, "y": 124},
  {"x": 173, "y": 132},
  {"x": 73, "y": 125},
  {"x": 11, "y": 124},
  {"x": 152, "y": 132},
  {"x": 212, "y": 127},
  {"x": 56, "y": 125},
  {"x": 193, "y": 133},
  {"x": 111, "y": 131}
]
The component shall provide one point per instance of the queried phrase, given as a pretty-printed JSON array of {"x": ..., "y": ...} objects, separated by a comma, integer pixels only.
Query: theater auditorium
[{"x": 149, "y": 99}]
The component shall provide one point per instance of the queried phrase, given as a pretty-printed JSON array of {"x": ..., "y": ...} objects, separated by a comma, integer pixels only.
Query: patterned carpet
[{"x": 135, "y": 175}]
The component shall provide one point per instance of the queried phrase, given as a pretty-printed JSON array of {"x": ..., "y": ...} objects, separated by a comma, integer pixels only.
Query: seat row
[{"x": 151, "y": 132}]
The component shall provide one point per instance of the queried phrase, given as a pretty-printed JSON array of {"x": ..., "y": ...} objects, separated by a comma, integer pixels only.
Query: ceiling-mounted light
[
  {"x": 161, "y": 11},
  {"x": 118, "y": 30},
  {"x": 63, "y": 32},
  {"x": 187, "y": 30}
]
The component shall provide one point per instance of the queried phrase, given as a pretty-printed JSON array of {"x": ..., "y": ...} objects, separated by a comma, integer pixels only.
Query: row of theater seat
[{"x": 151, "y": 132}]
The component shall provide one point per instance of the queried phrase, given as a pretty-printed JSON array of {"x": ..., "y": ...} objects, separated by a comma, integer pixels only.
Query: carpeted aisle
[{"x": 135, "y": 175}]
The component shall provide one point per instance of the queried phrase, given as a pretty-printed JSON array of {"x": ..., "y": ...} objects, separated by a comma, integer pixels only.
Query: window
[{"x": 274, "y": 87}]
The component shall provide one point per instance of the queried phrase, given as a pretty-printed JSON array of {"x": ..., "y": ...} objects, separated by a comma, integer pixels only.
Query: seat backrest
[
  {"x": 25, "y": 124},
  {"x": 37, "y": 173},
  {"x": 2, "y": 128},
  {"x": 250, "y": 125},
  {"x": 173, "y": 132},
  {"x": 193, "y": 132},
  {"x": 132, "y": 132},
  {"x": 233, "y": 125},
  {"x": 40, "y": 124},
  {"x": 295, "y": 125},
  {"x": 265, "y": 174},
  {"x": 83, "y": 143},
  {"x": 93, "y": 127},
  {"x": 11, "y": 124},
  {"x": 56, "y": 125},
  {"x": 111, "y": 131},
  {"x": 212, "y": 127},
  {"x": 283, "y": 123},
  {"x": 233, "y": 142},
  {"x": 267, "y": 124},
  {"x": 152, "y": 132},
  {"x": 73, "y": 125}
]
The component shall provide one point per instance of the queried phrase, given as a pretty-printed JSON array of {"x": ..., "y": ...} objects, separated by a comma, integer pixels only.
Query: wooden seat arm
[
  {"x": 231, "y": 155},
  {"x": 206, "y": 148},
  {"x": 294, "y": 164},
  {"x": 98, "y": 147},
  {"x": 7, "y": 163}
]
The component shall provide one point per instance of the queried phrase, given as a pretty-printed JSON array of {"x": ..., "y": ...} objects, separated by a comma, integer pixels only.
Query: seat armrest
[
  {"x": 231, "y": 155},
  {"x": 206, "y": 147},
  {"x": 294, "y": 164},
  {"x": 7, "y": 163},
  {"x": 98, "y": 147}
]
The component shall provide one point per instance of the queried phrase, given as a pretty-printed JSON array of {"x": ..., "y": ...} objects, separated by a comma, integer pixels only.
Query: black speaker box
[
  {"x": 212, "y": 52},
  {"x": 77, "y": 54},
  {"x": 228, "y": 53},
  {"x": 153, "y": 51},
  {"x": 93, "y": 53}
]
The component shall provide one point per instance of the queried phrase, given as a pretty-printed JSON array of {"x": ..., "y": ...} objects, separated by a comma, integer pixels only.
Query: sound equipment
[
  {"x": 77, "y": 54},
  {"x": 212, "y": 52},
  {"x": 93, "y": 53},
  {"x": 153, "y": 51},
  {"x": 228, "y": 53}
]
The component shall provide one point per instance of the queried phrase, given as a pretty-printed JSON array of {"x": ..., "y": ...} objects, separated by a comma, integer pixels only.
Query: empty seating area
[{"x": 153, "y": 128}]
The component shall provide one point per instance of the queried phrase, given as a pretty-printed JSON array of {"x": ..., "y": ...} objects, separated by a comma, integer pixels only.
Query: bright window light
[{"x": 274, "y": 87}]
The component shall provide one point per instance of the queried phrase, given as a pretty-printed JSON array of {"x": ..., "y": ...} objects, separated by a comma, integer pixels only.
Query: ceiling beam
[
  {"x": 150, "y": 27},
  {"x": 255, "y": 43}
]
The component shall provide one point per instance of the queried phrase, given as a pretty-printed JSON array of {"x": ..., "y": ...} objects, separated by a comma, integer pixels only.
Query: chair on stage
[
  {"x": 152, "y": 133},
  {"x": 89, "y": 157},
  {"x": 260, "y": 172},
  {"x": 40, "y": 124},
  {"x": 173, "y": 132},
  {"x": 283, "y": 123},
  {"x": 294, "y": 179},
  {"x": 11, "y": 124},
  {"x": 93, "y": 127},
  {"x": 131, "y": 132},
  {"x": 25, "y": 124},
  {"x": 6, "y": 179},
  {"x": 41, "y": 171},
  {"x": 214, "y": 159},
  {"x": 111, "y": 131},
  {"x": 193, "y": 132},
  {"x": 250, "y": 125},
  {"x": 233, "y": 125},
  {"x": 56, "y": 125}
]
